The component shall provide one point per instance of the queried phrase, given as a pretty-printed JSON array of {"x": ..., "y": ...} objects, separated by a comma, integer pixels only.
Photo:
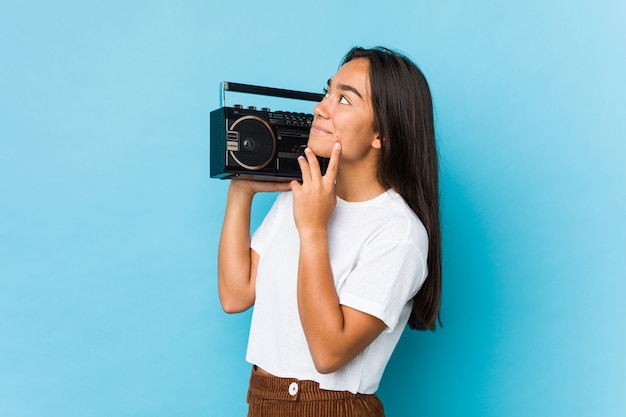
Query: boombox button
[{"x": 251, "y": 107}]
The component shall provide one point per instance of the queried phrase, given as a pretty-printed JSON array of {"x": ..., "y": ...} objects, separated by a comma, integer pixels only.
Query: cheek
[{"x": 356, "y": 144}]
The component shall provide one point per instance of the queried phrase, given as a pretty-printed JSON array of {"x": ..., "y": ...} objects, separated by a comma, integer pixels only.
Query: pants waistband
[{"x": 292, "y": 389}]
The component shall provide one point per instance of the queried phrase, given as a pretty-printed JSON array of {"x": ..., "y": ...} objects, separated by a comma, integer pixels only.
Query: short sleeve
[{"x": 385, "y": 278}]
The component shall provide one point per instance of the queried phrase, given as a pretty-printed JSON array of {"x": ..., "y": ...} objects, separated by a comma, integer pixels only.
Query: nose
[{"x": 321, "y": 109}]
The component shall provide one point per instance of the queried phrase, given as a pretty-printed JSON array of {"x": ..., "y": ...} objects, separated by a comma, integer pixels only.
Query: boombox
[{"x": 262, "y": 145}]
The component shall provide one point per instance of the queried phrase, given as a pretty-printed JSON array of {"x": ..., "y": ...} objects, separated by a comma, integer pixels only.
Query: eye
[
  {"x": 325, "y": 92},
  {"x": 344, "y": 100}
]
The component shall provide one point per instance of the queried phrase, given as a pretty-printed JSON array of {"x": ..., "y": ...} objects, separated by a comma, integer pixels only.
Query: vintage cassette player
[{"x": 262, "y": 145}]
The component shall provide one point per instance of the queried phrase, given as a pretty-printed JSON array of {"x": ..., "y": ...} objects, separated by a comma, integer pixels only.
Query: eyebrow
[{"x": 345, "y": 87}]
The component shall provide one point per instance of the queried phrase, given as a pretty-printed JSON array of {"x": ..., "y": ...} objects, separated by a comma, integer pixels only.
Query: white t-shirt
[{"x": 378, "y": 251}]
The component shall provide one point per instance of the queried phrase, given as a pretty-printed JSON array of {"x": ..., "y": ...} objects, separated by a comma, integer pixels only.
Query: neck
[{"x": 356, "y": 185}]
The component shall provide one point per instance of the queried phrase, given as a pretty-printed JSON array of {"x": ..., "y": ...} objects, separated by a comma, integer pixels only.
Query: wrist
[
  {"x": 313, "y": 234},
  {"x": 240, "y": 189}
]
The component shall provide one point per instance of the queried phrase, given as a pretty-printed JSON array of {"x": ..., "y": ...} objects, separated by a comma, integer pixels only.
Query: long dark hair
[{"x": 403, "y": 115}]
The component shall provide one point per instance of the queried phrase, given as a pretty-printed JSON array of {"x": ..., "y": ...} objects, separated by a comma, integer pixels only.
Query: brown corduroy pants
[{"x": 270, "y": 396}]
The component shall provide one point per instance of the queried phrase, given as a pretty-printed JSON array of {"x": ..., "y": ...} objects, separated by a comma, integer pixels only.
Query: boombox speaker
[{"x": 262, "y": 145}]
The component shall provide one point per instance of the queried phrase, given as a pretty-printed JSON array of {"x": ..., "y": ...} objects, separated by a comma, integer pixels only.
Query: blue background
[{"x": 109, "y": 223}]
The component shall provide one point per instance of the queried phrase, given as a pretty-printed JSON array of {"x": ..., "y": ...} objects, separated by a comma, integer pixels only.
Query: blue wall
[{"x": 109, "y": 224}]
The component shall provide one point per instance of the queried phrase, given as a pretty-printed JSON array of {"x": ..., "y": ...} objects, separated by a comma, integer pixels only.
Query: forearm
[
  {"x": 321, "y": 314},
  {"x": 234, "y": 256},
  {"x": 335, "y": 333}
]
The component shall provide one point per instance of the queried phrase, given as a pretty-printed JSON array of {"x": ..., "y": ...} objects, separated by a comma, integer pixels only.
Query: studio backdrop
[{"x": 109, "y": 222}]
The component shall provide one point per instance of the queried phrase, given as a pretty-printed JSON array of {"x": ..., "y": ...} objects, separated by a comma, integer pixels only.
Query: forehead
[{"x": 353, "y": 75}]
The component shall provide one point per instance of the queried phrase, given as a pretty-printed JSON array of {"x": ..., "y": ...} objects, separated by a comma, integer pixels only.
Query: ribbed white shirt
[{"x": 378, "y": 252}]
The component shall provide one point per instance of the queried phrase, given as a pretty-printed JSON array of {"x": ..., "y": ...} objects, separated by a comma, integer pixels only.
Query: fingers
[
  {"x": 333, "y": 164},
  {"x": 314, "y": 165},
  {"x": 280, "y": 186},
  {"x": 295, "y": 185},
  {"x": 310, "y": 166},
  {"x": 253, "y": 187},
  {"x": 304, "y": 166}
]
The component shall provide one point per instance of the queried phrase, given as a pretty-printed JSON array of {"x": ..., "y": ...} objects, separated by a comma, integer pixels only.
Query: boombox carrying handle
[{"x": 266, "y": 91}]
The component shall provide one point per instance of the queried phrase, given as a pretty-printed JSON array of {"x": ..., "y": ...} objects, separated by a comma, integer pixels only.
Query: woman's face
[{"x": 346, "y": 115}]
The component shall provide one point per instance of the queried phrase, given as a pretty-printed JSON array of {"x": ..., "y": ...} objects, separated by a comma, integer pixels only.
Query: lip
[{"x": 317, "y": 129}]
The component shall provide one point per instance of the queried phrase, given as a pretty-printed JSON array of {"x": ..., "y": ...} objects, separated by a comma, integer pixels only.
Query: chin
[
  {"x": 320, "y": 148},
  {"x": 321, "y": 151}
]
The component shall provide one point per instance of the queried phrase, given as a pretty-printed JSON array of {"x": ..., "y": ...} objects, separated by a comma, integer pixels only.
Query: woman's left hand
[{"x": 314, "y": 199}]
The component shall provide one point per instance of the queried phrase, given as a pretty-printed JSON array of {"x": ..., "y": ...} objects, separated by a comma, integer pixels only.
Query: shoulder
[{"x": 400, "y": 223}]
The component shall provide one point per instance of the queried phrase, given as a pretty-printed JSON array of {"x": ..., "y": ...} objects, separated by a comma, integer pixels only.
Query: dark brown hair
[{"x": 403, "y": 115}]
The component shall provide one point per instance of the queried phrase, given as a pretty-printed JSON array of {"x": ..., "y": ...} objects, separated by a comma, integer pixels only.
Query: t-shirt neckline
[{"x": 379, "y": 199}]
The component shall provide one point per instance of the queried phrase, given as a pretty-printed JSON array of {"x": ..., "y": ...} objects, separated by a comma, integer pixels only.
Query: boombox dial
[{"x": 251, "y": 142}]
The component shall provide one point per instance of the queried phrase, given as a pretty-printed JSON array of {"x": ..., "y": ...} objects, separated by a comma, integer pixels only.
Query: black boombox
[{"x": 262, "y": 145}]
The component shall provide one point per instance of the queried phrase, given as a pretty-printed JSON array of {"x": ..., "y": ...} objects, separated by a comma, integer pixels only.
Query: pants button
[{"x": 293, "y": 388}]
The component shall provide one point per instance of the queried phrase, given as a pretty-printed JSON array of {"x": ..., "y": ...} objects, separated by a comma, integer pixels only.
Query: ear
[{"x": 377, "y": 143}]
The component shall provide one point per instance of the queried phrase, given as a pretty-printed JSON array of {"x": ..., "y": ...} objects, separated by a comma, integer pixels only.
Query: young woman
[{"x": 343, "y": 261}]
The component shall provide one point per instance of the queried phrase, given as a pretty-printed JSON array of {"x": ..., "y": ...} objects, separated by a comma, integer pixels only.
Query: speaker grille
[{"x": 256, "y": 143}]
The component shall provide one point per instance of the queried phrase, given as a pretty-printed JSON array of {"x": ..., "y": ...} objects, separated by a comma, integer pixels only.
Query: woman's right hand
[{"x": 253, "y": 187}]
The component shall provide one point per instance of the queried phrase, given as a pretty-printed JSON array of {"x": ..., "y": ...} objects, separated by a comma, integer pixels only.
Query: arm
[
  {"x": 236, "y": 261},
  {"x": 335, "y": 333}
]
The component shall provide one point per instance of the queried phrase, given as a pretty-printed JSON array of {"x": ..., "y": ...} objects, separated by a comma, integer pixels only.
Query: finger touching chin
[{"x": 323, "y": 149}]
